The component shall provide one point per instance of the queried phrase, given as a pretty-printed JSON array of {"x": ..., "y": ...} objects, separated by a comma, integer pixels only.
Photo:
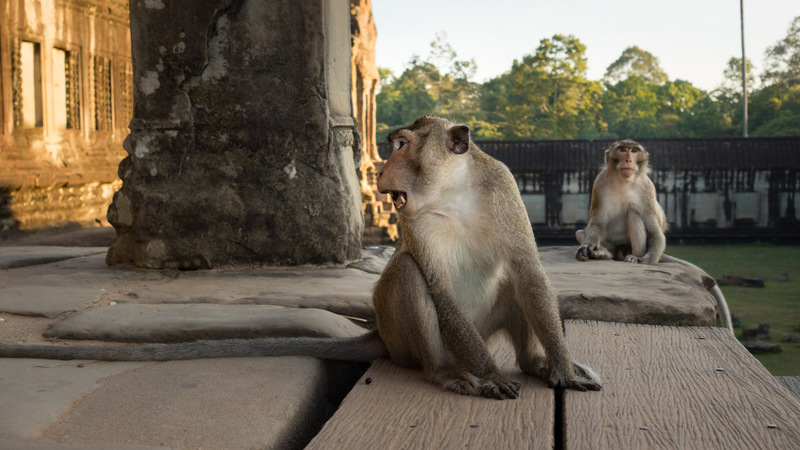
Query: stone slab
[
  {"x": 186, "y": 322},
  {"x": 373, "y": 259},
  {"x": 342, "y": 290},
  {"x": 218, "y": 403},
  {"x": 669, "y": 293},
  {"x": 51, "y": 289},
  {"x": 615, "y": 291},
  {"x": 35, "y": 392},
  {"x": 13, "y": 257}
]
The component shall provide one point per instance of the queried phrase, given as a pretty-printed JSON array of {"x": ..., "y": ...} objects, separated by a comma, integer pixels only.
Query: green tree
[
  {"x": 638, "y": 62},
  {"x": 775, "y": 111},
  {"x": 732, "y": 78},
  {"x": 782, "y": 60},
  {"x": 707, "y": 118},
  {"x": 676, "y": 103},
  {"x": 405, "y": 98},
  {"x": 439, "y": 84},
  {"x": 727, "y": 103},
  {"x": 630, "y": 108},
  {"x": 545, "y": 95}
]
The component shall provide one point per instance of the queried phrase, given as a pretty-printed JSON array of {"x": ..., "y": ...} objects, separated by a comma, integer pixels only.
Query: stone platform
[{"x": 51, "y": 294}]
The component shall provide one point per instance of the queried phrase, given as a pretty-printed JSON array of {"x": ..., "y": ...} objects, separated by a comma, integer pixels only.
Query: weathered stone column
[
  {"x": 243, "y": 146},
  {"x": 381, "y": 226}
]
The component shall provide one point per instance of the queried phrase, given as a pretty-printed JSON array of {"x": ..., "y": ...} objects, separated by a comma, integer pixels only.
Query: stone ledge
[
  {"x": 217, "y": 403},
  {"x": 187, "y": 322},
  {"x": 614, "y": 291}
]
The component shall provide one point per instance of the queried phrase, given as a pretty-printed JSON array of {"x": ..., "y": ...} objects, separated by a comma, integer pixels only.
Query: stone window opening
[
  {"x": 27, "y": 85},
  {"x": 66, "y": 89},
  {"x": 102, "y": 94},
  {"x": 125, "y": 94}
]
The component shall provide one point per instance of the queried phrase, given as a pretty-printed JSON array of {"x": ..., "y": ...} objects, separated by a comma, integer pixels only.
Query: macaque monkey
[
  {"x": 626, "y": 222},
  {"x": 467, "y": 267}
]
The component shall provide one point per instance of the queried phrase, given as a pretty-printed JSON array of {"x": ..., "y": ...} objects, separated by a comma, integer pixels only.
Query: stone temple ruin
[
  {"x": 242, "y": 109},
  {"x": 66, "y": 99}
]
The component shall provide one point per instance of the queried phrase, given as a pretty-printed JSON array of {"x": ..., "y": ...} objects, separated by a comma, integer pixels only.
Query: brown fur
[
  {"x": 625, "y": 220},
  {"x": 467, "y": 267}
]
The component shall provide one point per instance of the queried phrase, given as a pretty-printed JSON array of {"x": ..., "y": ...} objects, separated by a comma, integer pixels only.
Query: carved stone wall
[
  {"x": 380, "y": 224},
  {"x": 57, "y": 166},
  {"x": 243, "y": 146}
]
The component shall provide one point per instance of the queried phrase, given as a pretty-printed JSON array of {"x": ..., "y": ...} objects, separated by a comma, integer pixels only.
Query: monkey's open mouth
[{"x": 399, "y": 199}]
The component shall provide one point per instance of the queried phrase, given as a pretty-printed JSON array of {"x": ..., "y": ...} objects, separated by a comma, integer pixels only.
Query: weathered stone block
[{"x": 240, "y": 150}]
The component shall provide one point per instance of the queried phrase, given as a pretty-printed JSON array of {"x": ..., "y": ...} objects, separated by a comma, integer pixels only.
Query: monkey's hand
[
  {"x": 493, "y": 386},
  {"x": 589, "y": 251}
]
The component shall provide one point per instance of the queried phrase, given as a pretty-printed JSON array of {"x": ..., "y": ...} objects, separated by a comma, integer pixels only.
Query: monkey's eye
[
  {"x": 399, "y": 143},
  {"x": 634, "y": 150}
]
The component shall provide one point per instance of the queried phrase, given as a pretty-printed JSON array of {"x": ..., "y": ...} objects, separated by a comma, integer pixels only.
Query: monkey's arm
[
  {"x": 591, "y": 238},
  {"x": 591, "y": 245},
  {"x": 459, "y": 334},
  {"x": 462, "y": 339},
  {"x": 592, "y": 248},
  {"x": 656, "y": 243}
]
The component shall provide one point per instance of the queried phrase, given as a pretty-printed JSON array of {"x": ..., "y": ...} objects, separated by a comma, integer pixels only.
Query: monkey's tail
[
  {"x": 364, "y": 348},
  {"x": 722, "y": 305}
]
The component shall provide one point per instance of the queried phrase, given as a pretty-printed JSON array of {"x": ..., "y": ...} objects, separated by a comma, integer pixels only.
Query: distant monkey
[
  {"x": 467, "y": 267},
  {"x": 625, "y": 220}
]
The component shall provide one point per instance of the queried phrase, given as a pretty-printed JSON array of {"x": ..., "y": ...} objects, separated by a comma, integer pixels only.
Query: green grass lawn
[{"x": 776, "y": 304}]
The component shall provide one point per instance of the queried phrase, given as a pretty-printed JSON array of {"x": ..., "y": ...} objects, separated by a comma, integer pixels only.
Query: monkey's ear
[{"x": 458, "y": 139}]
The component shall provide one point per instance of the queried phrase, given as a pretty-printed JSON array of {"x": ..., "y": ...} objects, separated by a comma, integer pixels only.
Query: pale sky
[{"x": 692, "y": 39}]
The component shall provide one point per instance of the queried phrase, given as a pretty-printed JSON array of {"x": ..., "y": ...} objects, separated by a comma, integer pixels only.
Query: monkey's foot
[
  {"x": 649, "y": 259},
  {"x": 465, "y": 383},
  {"x": 592, "y": 251},
  {"x": 632, "y": 259}
]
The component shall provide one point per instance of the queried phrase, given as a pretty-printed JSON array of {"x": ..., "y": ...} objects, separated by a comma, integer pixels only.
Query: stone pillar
[
  {"x": 381, "y": 228},
  {"x": 243, "y": 147}
]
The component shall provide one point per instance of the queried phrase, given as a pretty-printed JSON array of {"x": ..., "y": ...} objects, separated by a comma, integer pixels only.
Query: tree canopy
[
  {"x": 547, "y": 95},
  {"x": 635, "y": 61}
]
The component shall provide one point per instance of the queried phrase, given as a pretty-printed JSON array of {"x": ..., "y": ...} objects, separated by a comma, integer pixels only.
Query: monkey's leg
[
  {"x": 473, "y": 362},
  {"x": 407, "y": 322},
  {"x": 637, "y": 235},
  {"x": 409, "y": 325},
  {"x": 656, "y": 242}
]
